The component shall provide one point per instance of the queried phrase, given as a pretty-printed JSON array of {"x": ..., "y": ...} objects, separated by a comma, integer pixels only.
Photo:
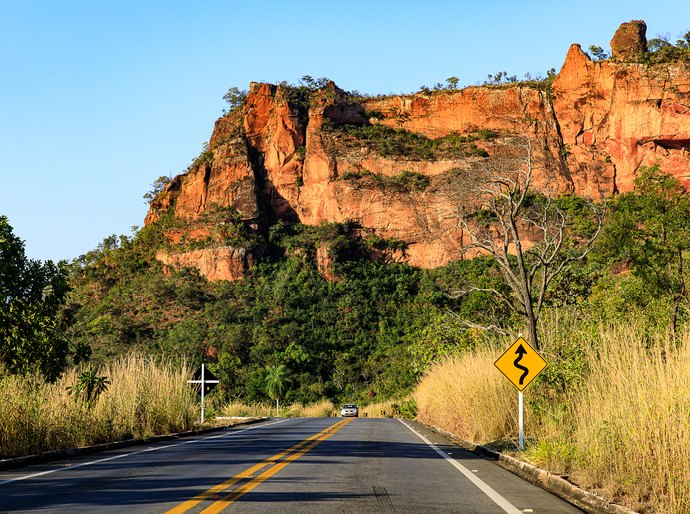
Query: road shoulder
[{"x": 585, "y": 500}]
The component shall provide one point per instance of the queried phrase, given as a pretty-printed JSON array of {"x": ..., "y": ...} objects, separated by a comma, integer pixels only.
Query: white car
[{"x": 349, "y": 410}]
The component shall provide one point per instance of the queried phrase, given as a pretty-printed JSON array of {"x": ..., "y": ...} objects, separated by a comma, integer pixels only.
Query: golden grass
[
  {"x": 145, "y": 397},
  {"x": 623, "y": 431},
  {"x": 632, "y": 422},
  {"x": 242, "y": 410},
  {"x": 377, "y": 410},
  {"x": 322, "y": 409},
  {"x": 467, "y": 395},
  {"x": 384, "y": 409}
]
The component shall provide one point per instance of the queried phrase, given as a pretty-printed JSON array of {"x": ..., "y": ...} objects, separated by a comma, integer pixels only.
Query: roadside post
[
  {"x": 207, "y": 380},
  {"x": 521, "y": 364}
]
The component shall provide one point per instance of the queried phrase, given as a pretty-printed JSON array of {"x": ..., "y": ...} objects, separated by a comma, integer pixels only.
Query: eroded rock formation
[
  {"x": 274, "y": 160},
  {"x": 630, "y": 40}
]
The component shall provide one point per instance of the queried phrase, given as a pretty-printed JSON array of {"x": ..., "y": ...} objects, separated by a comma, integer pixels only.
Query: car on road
[{"x": 349, "y": 410}]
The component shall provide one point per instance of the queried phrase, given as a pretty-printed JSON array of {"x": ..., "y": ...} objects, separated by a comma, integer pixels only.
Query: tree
[
  {"x": 453, "y": 82},
  {"x": 598, "y": 53},
  {"x": 529, "y": 233},
  {"x": 276, "y": 383},
  {"x": 32, "y": 294},
  {"x": 156, "y": 188},
  {"x": 313, "y": 84},
  {"x": 684, "y": 41},
  {"x": 650, "y": 229},
  {"x": 235, "y": 98}
]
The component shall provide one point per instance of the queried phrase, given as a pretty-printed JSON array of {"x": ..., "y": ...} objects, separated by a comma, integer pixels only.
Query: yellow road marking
[
  {"x": 256, "y": 482},
  {"x": 271, "y": 461}
]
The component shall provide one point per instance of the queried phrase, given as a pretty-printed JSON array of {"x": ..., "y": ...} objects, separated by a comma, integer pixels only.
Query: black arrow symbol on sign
[{"x": 520, "y": 352}]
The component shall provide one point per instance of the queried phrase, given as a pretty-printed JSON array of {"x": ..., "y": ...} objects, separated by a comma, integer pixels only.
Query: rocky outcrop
[
  {"x": 223, "y": 263},
  {"x": 590, "y": 132},
  {"x": 222, "y": 176},
  {"x": 616, "y": 117},
  {"x": 629, "y": 41}
]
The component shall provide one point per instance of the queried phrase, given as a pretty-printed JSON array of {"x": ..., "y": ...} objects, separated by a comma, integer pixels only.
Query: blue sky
[{"x": 99, "y": 98}]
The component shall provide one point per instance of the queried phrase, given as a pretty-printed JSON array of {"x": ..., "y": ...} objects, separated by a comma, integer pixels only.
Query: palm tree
[{"x": 276, "y": 383}]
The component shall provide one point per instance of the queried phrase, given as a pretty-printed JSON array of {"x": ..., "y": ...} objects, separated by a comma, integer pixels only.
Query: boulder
[{"x": 629, "y": 41}]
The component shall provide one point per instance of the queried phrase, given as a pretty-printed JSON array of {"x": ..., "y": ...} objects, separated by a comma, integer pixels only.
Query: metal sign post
[
  {"x": 520, "y": 364},
  {"x": 207, "y": 380},
  {"x": 521, "y": 438}
]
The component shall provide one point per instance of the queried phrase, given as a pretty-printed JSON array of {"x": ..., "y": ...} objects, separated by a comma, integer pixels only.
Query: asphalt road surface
[{"x": 282, "y": 465}]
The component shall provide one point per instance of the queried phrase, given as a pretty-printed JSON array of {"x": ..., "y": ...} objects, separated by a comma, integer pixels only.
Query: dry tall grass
[
  {"x": 632, "y": 422},
  {"x": 243, "y": 410},
  {"x": 465, "y": 396},
  {"x": 378, "y": 409},
  {"x": 323, "y": 409},
  {"x": 623, "y": 430},
  {"x": 145, "y": 397}
]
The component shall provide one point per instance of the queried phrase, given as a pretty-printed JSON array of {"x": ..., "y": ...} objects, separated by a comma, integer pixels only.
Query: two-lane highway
[{"x": 294, "y": 465}]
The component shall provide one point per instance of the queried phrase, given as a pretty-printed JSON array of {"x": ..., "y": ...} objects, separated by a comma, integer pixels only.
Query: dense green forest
[
  {"x": 367, "y": 335},
  {"x": 371, "y": 333}
]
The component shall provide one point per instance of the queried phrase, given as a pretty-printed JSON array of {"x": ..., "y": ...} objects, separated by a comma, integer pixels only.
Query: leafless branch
[
  {"x": 478, "y": 326},
  {"x": 500, "y": 223}
]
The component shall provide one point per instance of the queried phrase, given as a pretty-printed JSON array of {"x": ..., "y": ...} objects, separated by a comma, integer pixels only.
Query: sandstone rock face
[
  {"x": 274, "y": 134},
  {"x": 225, "y": 177},
  {"x": 630, "y": 40},
  {"x": 225, "y": 263},
  {"x": 272, "y": 161},
  {"x": 616, "y": 117}
]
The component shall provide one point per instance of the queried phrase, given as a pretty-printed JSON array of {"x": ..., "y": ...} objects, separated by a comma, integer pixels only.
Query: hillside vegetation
[
  {"x": 619, "y": 425},
  {"x": 367, "y": 335},
  {"x": 378, "y": 329}
]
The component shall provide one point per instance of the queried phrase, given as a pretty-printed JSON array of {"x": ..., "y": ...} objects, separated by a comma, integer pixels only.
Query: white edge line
[
  {"x": 156, "y": 448},
  {"x": 483, "y": 486}
]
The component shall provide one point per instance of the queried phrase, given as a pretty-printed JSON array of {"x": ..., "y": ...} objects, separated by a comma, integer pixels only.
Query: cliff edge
[{"x": 401, "y": 165}]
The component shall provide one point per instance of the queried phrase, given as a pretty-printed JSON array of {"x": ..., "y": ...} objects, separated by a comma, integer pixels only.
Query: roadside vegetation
[
  {"x": 610, "y": 412},
  {"x": 321, "y": 409},
  {"x": 132, "y": 397}
]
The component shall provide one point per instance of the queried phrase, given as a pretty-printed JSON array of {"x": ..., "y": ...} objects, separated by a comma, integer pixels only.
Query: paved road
[{"x": 295, "y": 465}]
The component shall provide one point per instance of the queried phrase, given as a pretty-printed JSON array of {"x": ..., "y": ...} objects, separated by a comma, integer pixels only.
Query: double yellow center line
[{"x": 250, "y": 481}]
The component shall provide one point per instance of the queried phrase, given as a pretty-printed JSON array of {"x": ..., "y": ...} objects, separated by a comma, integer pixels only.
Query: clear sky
[{"x": 98, "y": 98}]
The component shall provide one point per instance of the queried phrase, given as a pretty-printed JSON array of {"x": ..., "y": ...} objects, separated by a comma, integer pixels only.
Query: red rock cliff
[{"x": 592, "y": 131}]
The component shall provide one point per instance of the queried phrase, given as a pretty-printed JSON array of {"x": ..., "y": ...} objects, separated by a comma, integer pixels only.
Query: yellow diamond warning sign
[{"x": 520, "y": 363}]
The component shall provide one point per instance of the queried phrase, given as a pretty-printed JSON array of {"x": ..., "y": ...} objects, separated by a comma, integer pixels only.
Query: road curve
[{"x": 308, "y": 465}]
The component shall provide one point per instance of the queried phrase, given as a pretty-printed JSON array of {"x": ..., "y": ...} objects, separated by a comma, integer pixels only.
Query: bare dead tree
[{"x": 523, "y": 228}]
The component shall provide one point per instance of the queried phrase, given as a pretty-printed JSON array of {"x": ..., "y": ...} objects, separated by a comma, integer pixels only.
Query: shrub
[
  {"x": 400, "y": 143},
  {"x": 405, "y": 182}
]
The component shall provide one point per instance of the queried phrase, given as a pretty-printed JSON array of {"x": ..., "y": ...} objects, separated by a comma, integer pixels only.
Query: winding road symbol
[
  {"x": 520, "y": 364},
  {"x": 520, "y": 352}
]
